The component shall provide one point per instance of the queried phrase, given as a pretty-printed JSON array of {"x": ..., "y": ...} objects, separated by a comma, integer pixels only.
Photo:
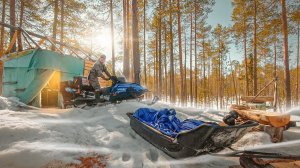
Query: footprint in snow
[
  {"x": 132, "y": 134},
  {"x": 106, "y": 138},
  {"x": 126, "y": 157},
  {"x": 116, "y": 146},
  {"x": 152, "y": 155}
]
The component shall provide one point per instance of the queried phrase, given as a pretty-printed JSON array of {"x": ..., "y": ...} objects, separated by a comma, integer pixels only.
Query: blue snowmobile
[{"x": 79, "y": 92}]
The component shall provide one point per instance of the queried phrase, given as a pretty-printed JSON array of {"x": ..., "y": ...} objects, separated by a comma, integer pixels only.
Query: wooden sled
[
  {"x": 273, "y": 119},
  {"x": 247, "y": 162},
  {"x": 256, "y": 159},
  {"x": 272, "y": 123}
]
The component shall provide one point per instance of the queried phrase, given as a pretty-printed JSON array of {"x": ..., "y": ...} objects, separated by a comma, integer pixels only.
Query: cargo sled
[{"x": 202, "y": 139}]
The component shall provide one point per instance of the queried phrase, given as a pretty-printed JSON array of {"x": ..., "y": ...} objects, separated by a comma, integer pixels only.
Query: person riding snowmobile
[{"x": 97, "y": 71}]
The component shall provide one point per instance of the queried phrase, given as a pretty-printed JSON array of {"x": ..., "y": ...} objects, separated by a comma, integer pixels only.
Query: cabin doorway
[{"x": 50, "y": 93}]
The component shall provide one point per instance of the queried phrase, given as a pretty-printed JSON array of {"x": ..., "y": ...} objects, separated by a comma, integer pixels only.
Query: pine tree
[
  {"x": 286, "y": 56},
  {"x": 240, "y": 17},
  {"x": 135, "y": 42},
  {"x": 296, "y": 19},
  {"x": 12, "y": 21},
  {"x": 55, "y": 20},
  {"x": 2, "y": 28}
]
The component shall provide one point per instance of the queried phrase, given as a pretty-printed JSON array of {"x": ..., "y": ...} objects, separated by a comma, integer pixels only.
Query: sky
[{"x": 221, "y": 14}]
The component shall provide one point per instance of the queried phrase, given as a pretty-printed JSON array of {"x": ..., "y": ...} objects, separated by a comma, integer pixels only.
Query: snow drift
[{"x": 32, "y": 138}]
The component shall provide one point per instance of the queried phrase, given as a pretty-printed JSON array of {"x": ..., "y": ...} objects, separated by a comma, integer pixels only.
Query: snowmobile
[
  {"x": 79, "y": 92},
  {"x": 159, "y": 128}
]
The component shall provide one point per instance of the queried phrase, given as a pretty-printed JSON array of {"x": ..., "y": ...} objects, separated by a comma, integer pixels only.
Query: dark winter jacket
[{"x": 97, "y": 70}]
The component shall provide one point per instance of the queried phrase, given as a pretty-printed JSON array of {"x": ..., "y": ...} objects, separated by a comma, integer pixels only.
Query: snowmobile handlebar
[{"x": 114, "y": 80}]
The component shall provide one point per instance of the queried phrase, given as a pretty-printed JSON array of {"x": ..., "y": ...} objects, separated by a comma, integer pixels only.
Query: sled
[
  {"x": 256, "y": 159},
  {"x": 201, "y": 140}
]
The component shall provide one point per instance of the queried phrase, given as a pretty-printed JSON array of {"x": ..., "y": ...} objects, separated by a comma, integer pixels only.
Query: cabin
[{"x": 34, "y": 76}]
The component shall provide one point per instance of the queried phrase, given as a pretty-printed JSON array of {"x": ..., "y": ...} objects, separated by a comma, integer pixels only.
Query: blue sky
[{"x": 221, "y": 14}]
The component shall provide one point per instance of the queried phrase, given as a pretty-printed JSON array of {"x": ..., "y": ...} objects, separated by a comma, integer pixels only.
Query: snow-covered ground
[{"x": 34, "y": 138}]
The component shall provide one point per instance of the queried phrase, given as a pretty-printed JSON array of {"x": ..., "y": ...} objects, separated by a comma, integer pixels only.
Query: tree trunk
[
  {"x": 20, "y": 46},
  {"x": 2, "y": 44},
  {"x": 208, "y": 80},
  {"x": 129, "y": 44},
  {"x": 135, "y": 42},
  {"x": 255, "y": 52},
  {"x": 144, "y": 20},
  {"x": 12, "y": 21},
  {"x": 220, "y": 76},
  {"x": 245, "y": 58},
  {"x": 126, "y": 58},
  {"x": 62, "y": 23},
  {"x": 112, "y": 37},
  {"x": 184, "y": 83},
  {"x": 54, "y": 30},
  {"x": 286, "y": 56},
  {"x": 298, "y": 55},
  {"x": 191, "y": 62},
  {"x": 275, "y": 74},
  {"x": 195, "y": 50},
  {"x": 165, "y": 55},
  {"x": 2, "y": 27},
  {"x": 203, "y": 60},
  {"x": 156, "y": 63},
  {"x": 159, "y": 52},
  {"x": 180, "y": 52},
  {"x": 171, "y": 55}
]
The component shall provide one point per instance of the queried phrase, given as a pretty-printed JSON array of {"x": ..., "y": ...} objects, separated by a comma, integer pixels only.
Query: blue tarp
[{"x": 165, "y": 121}]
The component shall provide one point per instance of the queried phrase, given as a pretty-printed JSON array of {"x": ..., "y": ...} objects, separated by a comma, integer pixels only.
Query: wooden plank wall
[{"x": 88, "y": 65}]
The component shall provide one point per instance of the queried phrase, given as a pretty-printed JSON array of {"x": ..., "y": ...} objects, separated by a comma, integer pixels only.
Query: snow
[{"x": 34, "y": 138}]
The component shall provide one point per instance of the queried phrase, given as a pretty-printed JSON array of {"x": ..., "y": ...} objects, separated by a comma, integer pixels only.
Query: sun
[
  {"x": 103, "y": 39},
  {"x": 99, "y": 41},
  {"x": 102, "y": 42}
]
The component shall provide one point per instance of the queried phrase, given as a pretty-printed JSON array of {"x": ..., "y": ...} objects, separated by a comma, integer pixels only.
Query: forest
[{"x": 169, "y": 46}]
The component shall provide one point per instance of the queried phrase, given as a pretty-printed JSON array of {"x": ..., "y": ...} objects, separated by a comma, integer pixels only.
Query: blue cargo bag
[{"x": 166, "y": 122}]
